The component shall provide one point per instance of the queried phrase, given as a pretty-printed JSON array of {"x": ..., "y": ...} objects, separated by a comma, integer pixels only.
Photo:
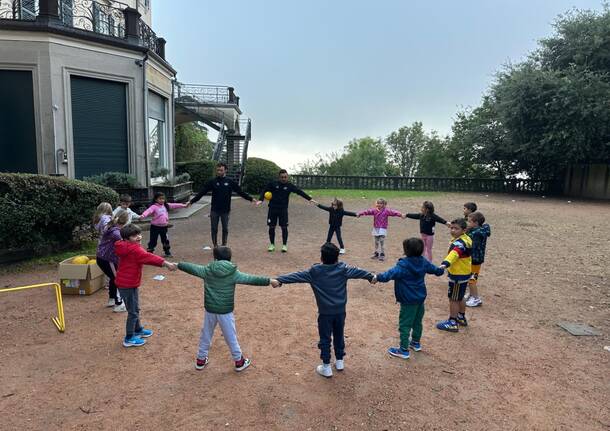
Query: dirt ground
[{"x": 513, "y": 368}]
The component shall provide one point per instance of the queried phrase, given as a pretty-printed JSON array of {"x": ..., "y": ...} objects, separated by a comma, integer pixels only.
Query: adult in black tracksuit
[
  {"x": 278, "y": 206},
  {"x": 335, "y": 220},
  {"x": 222, "y": 189}
]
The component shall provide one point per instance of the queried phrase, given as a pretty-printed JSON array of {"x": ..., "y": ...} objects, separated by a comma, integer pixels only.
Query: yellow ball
[
  {"x": 92, "y": 262},
  {"x": 268, "y": 195},
  {"x": 80, "y": 260}
]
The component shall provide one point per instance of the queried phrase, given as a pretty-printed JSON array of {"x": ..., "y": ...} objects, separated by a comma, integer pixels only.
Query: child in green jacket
[{"x": 219, "y": 280}]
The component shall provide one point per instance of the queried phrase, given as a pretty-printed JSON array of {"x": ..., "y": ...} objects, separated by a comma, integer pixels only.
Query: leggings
[
  {"x": 428, "y": 242},
  {"x": 379, "y": 242},
  {"x": 335, "y": 230},
  {"x": 284, "y": 234},
  {"x": 109, "y": 269},
  {"x": 224, "y": 219},
  {"x": 155, "y": 232}
]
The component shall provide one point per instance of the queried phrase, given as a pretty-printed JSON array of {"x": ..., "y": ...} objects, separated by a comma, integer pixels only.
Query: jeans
[
  {"x": 335, "y": 230},
  {"x": 155, "y": 232},
  {"x": 224, "y": 219},
  {"x": 132, "y": 303},
  {"x": 107, "y": 268},
  {"x": 331, "y": 325},
  {"x": 229, "y": 332},
  {"x": 410, "y": 323}
]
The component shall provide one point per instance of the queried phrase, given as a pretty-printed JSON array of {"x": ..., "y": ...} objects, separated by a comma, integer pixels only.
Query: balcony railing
[
  {"x": 216, "y": 94},
  {"x": 107, "y": 18}
]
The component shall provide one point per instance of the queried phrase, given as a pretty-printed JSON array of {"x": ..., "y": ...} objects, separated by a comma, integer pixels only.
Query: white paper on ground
[
  {"x": 207, "y": 247},
  {"x": 159, "y": 277}
]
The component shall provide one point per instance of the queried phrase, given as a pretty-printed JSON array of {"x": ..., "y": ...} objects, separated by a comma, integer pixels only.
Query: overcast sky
[{"x": 314, "y": 74}]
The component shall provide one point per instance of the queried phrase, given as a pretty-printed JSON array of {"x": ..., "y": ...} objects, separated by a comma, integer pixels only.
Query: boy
[
  {"x": 469, "y": 208},
  {"x": 329, "y": 283},
  {"x": 128, "y": 277},
  {"x": 124, "y": 204},
  {"x": 478, "y": 231},
  {"x": 219, "y": 280},
  {"x": 410, "y": 291},
  {"x": 458, "y": 262}
]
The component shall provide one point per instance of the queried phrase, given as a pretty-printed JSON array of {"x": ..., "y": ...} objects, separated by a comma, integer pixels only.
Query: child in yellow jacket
[{"x": 458, "y": 263}]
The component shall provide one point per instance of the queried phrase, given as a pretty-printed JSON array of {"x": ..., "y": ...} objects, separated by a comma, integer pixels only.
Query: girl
[
  {"x": 159, "y": 210},
  {"x": 380, "y": 225},
  {"x": 335, "y": 220},
  {"x": 427, "y": 221},
  {"x": 101, "y": 217},
  {"x": 108, "y": 261}
]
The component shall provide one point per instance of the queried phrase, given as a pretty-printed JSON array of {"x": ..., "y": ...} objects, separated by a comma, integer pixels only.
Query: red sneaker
[
  {"x": 242, "y": 364},
  {"x": 201, "y": 363}
]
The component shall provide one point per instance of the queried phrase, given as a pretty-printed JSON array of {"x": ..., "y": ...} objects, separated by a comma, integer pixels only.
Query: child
[
  {"x": 427, "y": 220},
  {"x": 329, "y": 283},
  {"x": 108, "y": 261},
  {"x": 335, "y": 220},
  {"x": 219, "y": 280},
  {"x": 124, "y": 204},
  {"x": 380, "y": 225},
  {"x": 101, "y": 217},
  {"x": 128, "y": 277},
  {"x": 469, "y": 208},
  {"x": 160, "y": 219},
  {"x": 458, "y": 262},
  {"x": 478, "y": 231},
  {"x": 410, "y": 291}
]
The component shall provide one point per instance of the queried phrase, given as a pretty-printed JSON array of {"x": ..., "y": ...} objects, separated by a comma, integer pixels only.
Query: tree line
[{"x": 538, "y": 117}]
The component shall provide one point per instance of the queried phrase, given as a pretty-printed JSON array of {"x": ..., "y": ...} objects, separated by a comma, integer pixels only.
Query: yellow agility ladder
[{"x": 59, "y": 321}]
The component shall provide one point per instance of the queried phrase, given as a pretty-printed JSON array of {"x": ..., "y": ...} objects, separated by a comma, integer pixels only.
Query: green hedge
[
  {"x": 38, "y": 211},
  {"x": 259, "y": 172},
  {"x": 200, "y": 171}
]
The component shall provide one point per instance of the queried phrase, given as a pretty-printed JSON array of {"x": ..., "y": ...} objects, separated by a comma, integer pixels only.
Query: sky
[{"x": 312, "y": 75}]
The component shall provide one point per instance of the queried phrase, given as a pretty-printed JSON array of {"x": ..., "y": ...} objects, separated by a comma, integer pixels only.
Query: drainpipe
[{"x": 145, "y": 113}]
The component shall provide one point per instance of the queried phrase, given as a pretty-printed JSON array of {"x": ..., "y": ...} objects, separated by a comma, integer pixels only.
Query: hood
[
  {"x": 413, "y": 265},
  {"x": 123, "y": 248},
  {"x": 110, "y": 230},
  {"x": 486, "y": 229},
  {"x": 222, "y": 268}
]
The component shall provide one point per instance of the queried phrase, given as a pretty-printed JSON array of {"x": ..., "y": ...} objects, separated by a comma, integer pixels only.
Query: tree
[
  {"x": 192, "y": 143},
  {"x": 404, "y": 145},
  {"x": 364, "y": 156},
  {"x": 435, "y": 159}
]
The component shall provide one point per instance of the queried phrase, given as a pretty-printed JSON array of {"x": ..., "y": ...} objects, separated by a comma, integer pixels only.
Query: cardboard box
[{"x": 80, "y": 279}]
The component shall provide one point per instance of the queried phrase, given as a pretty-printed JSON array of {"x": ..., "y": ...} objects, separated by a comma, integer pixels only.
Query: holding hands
[
  {"x": 275, "y": 283},
  {"x": 170, "y": 265}
]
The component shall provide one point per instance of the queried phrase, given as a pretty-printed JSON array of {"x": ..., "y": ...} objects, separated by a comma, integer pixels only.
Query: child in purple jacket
[
  {"x": 108, "y": 261},
  {"x": 380, "y": 215}
]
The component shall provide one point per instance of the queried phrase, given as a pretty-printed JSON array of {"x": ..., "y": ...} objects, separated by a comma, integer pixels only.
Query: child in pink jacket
[
  {"x": 380, "y": 225},
  {"x": 159, "y": 210}
]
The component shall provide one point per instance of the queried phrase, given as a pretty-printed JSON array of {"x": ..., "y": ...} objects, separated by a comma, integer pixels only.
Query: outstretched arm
[
  {"x": 237, "y": 189},
  {"x": 193, "y": 269},
  {"x": 206, "y": 188},
  {"x": 354, "y": 272},
  {"x": 324, "y": 207},
  {"x": 350, "y": 213},
  {"x": 295, "y": 277},
  {"x": 388, "y": 275},
  {"x": 254, "y": 280},
  {"x": 298, "y": 191}
]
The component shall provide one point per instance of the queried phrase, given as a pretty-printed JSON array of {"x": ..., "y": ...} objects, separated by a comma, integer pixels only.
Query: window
[{"x": 157, "y": 137}]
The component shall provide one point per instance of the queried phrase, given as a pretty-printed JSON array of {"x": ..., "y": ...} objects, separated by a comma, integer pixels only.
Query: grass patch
[
  {"x": 87, "y": 247},
  {"x": 369, "y": 194}
]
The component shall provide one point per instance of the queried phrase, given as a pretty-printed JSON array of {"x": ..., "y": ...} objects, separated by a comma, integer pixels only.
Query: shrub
[
  {"x": 114, "y": 180},
  {"x": 38, "y": 211},
  {"x": 258, "y": 173},
  {"x": 200, "y": 171}
]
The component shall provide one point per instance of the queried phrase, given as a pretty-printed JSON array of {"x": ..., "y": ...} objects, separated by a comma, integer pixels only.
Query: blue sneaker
[
  {"x": 399, "y": 352},
  {"x": 461, "y": 320},
  {"x": 133, "y": 342},
  {"x": 415, "y": 346},
  {"x": 448, "y": 325},
  {"x": 144, "y": 333}
]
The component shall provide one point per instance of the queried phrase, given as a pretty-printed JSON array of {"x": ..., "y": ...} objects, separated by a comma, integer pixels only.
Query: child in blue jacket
[
  {"x": 328, "y": 281},
  {"x": 410, "y": 291}
]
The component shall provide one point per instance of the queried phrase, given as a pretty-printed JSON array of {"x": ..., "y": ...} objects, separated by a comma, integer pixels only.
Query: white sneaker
[
  {"x": 474, "y": 301},
  {"x": 466, "y": 296},
  {"x": 110, "y": 303},
  {"x": 339, "y": 365},
  {"x": 119, "y": 308},
  {"x": 341, "y": 251},
  {"x": 324, "y": 370}
]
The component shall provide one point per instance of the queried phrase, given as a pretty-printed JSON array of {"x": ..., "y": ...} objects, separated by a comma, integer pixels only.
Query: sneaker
[
  {"x": 448, "y": 325},
  {"x": 144, "y": 333},
  {"x": 119, "y": 308},
  {"x": 242, "y": 364},
  {"x": 201, "y": 363},
  {"x": 324, "y": 370},
  {"x": 339, "y": 365},
  {"x": 168, "y": 255},
  {"x": 375, "y": 256},
  {"x": 381, "y": 257},
  {"x": 133, "y": 342},
  {"x": 110, "y": 303},
  {"x": 341, "y": 251},
  {"x": 271, "y": 248},
  {"x": 416, "y": 346},
  {"x": 284, "y": 248},
  {"x": 466, "y": 296},
  {"x": 399, "y": 352},
  {"x": 461, "y": 320},
  {"x": 474, "y": 301}
]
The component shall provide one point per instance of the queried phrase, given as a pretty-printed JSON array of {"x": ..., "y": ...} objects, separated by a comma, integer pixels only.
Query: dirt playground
[{"x": 513, "y": 368}]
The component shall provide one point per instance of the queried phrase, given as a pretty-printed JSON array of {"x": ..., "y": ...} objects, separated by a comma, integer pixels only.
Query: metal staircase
[{"x": 217, "y": 107}]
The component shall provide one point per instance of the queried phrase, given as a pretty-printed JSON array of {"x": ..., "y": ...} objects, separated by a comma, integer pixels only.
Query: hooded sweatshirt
[
  {"x": 132, "y": 257},
  {"x": 219, "y": 280},
  {"x": 409, "y": 279},
  {"x": 160, "y": 216},
  {"x": 479, "y": 237},
  {"x": 105, "y": 249},
  {"x": 329, "y": 284},
  {"x": 380, "y": 216}
]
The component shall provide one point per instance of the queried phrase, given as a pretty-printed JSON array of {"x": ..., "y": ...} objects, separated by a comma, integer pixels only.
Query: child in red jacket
[{"x": 132, "y": 257}]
